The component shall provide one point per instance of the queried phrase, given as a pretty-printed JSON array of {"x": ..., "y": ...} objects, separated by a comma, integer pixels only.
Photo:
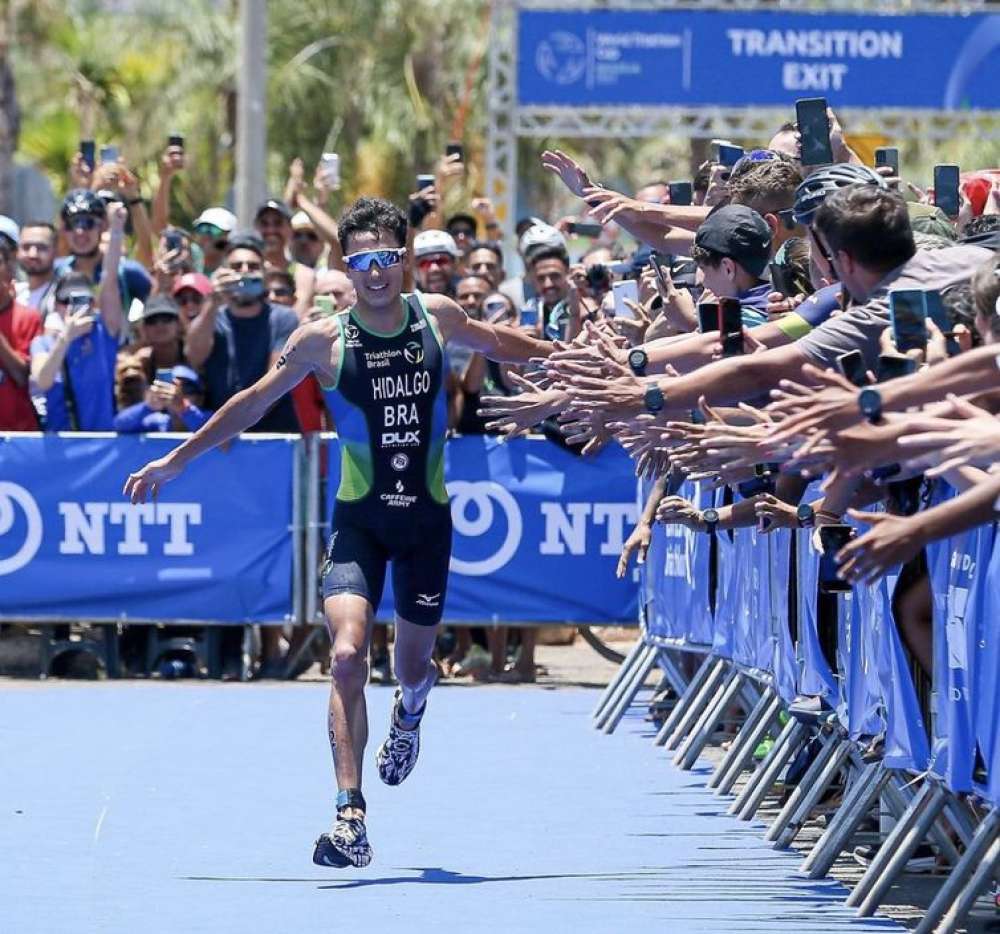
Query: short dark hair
[
  {"x": 767, "y": 187},
  {"x": 474, "y": 275},
  {"x": 374, "y": 216},
  {"x": 548, "y": 252},
  {"x": 490, "y": 245},
  {"x": 7, "y": 250},
  {"x": 961, "y": 309},
  {"x": 48, "y": 225},
  {"x": 706, "y": 257},
  {"x": 871, "y": 224},
  {"x": 986, "y": 292},
  {"x": 984, "y": 223},
  {"x": 285, "y": 277}
]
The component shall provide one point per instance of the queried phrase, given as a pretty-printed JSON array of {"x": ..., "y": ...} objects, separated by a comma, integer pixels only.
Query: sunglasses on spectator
[
  {"x": 82, "y": 222},
  {"x": 246, "y": 265},
  {"x": 438, "y": 259},
  {"x": 305, "y": 235},
  {"x": 188, "y": 297},
  {"x": 159, "y": 319},
  {"x": 282, "y": 292},
  {"x": 363, "y": 260},
  {"x": 210, "y": 230}
]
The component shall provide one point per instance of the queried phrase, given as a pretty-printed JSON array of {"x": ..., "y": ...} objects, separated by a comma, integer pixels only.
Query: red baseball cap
[{"x": 193, "y": 280}]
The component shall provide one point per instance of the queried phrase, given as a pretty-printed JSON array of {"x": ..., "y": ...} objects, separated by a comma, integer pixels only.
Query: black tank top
[{"x": 390, "y": 409}]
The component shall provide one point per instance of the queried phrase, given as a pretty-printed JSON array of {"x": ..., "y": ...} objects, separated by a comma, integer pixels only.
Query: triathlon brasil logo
[{"x": 16, "y": 499}]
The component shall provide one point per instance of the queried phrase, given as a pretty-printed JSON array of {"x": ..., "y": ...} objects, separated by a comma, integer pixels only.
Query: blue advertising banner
[
  {"x": 736, "y": 59},
  {"x": 538, "y": 532},
  {"x": 216, "y": 546}
]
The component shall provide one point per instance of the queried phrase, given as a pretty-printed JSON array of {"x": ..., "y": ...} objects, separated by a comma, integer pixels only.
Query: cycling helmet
[
  {"x": 820, "y": 185},
  {"x": 82, "y": 201}
]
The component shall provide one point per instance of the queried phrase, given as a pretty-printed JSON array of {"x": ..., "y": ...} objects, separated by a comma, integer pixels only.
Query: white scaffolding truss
[{"x": 508, "y": 121}]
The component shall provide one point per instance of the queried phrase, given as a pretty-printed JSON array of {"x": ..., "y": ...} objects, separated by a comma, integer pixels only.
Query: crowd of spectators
[{"x": 720, "y": 328}]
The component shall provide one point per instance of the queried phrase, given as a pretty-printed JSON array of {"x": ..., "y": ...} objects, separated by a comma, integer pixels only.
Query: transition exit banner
[{"x": 723, "y": 58}]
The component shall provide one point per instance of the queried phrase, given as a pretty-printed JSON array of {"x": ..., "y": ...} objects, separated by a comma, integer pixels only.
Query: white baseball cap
[
  {"x": 217, "y": 217},
  {"x": 9, "y": 228},
  {"x": 428, "y": 242},
  {"x": 302, "y": 221},
  {"x": 540, "y": 235}
]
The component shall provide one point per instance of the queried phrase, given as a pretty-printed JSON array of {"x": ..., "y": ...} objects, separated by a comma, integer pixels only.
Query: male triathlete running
[{"x": 381, "y": 365}]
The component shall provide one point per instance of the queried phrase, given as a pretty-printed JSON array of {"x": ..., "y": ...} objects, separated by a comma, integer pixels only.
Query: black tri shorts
[{"x": 417, "y": 544}]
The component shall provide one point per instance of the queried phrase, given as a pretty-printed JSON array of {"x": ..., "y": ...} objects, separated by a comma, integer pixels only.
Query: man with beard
[
  {"x": 36, "y": 253},
  {"x": 84, "y": 217},
  {"x": 273, "y": 224}
]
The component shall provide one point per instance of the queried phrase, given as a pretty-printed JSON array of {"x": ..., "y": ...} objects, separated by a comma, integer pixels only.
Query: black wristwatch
[
  {"x": 653, "y": 398},
  {"x": 870, "y": 403},
  {"x": 805, "y": 515},
  {"x": 711, "y": 519},
  {"x": 133, "y": 202},
  {"x": 637, "y": 360}
]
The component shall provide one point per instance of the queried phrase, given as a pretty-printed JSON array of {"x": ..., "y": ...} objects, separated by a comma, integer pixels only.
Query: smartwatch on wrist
[
  {"x": 711, "y": 519},
  {"x": 805, "y": 515},
  {"x": 653, "y": 398},
  {"x": 637, "y": 360},
  {"x": 870, "y": 403}
]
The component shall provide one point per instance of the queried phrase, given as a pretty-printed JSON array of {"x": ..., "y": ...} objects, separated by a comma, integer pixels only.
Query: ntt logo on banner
[
  {"x": 11, "y": 496},
  {"x": 85, "y": 526}
]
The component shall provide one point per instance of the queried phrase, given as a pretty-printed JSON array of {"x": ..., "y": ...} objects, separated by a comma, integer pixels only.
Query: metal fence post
[
  {"x": 620, "y": 675},
  {"x": 692, "y": 692}
]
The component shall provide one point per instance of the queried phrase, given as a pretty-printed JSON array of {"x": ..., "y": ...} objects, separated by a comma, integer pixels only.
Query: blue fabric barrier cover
[
  {"x": 816, "y": 677},
  {"x": 986, "y": 679},
  {"x": 216, "y": 546},
  {"x": 538, "y": 532},
  {"x": 957, "y": 567}
]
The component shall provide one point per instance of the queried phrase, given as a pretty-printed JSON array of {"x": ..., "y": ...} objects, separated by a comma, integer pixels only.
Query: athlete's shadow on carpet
[{"x": 438, "y": 876}]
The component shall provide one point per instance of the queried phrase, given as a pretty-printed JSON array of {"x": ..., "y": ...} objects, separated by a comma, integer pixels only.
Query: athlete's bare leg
[
  {"x": 415, "y": 671},
  {"x": 349, "y": 618}
]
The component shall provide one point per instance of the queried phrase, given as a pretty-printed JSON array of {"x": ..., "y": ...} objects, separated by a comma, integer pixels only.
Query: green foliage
[{"x": 379, "y": 81}]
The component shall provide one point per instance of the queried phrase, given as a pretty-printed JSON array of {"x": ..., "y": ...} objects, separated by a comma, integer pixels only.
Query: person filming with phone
[{"x": 238, "y": 335}]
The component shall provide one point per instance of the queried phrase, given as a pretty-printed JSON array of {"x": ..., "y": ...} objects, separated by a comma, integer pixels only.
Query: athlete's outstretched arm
[
  {"x": 497, "y": 341},
  {"x": 306, "y": 350}
]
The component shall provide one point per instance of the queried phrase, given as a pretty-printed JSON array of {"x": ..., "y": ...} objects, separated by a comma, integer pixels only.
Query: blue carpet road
[{"x": 160, "y": 809}]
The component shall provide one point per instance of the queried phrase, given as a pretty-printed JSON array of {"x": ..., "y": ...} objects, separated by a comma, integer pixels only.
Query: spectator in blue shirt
[
  {"x": 84, "y": 217},
  {"x": 239, "y": 335},
  {"x": 73, "y": 361},
  {"x": 732, "y": 249},
  {"x": 172, "y": 403}
]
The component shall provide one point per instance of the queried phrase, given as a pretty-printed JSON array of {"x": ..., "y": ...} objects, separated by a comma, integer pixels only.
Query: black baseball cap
[
  {"x": 740, "y": 233},
  {"x": 160, "y": 305},
  {"x": 273, "y": 204},
  {"x": 245, "y": 240}
]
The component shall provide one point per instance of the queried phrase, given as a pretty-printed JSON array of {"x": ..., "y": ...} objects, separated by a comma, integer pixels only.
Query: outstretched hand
[{"x": 145, "y": 483}]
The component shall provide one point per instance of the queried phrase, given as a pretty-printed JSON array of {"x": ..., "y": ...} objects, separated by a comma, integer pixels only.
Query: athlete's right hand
[{"x": 146, "y": 482}]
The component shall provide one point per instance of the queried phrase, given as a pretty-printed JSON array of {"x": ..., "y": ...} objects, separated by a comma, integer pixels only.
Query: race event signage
[{"x": 722, "y": 58}]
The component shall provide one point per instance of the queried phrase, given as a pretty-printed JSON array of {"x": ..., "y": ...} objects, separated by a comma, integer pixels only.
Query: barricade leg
[
  {"x": 688, "y": 752},
  {"x": 976, "y": 865},
  {"x": 671, "y": 673},
  {"x": 634, "y": 687},
  {"x": 622, "y": 687},
  {"x": 791, "y": 738},
  {"x": 967, "y": 897},
  {"x": 690, "y": 693},
  {"x": 678, "y": 725},
  {"x": 623, "y": 672},
  {"x": 897, "y": 848},
  {"x": 808, "y": 792},
  {"x": 742, "y": 750},
  {"x": 858, "y": 803}
]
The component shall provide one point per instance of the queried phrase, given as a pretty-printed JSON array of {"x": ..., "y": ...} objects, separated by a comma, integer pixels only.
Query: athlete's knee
[
  {"x": 348, "y": 663},
  {"x": 413, "y": 673}
]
